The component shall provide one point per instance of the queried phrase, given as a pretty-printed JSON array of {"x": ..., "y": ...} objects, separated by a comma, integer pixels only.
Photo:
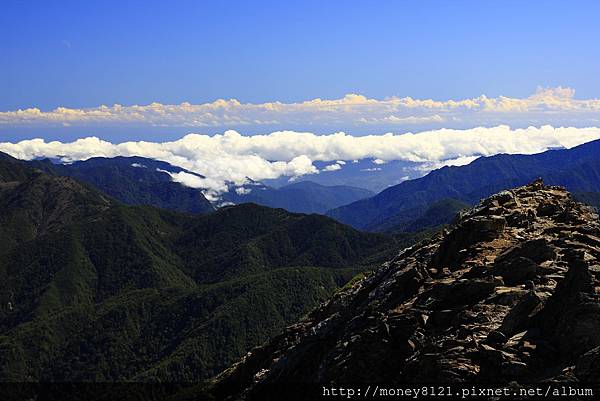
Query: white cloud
[
  {"x": 186, "y": 179},
  {"x": 243, "y": 190},
  {"x": 332, "y": 167},
  {"x": 556, "y": 106},
  {"x": 379, "y": 161},
  {"x": 231, "y": 157},
  {"x": 459, "y": 161},
  {"x": 211, "y": 188},
  {"x": 409, "y": 120},
  {"x": 138, "y": 165}
]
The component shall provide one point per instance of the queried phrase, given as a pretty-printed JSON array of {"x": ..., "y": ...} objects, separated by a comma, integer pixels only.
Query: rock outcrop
[{"x": 510, "y": 293}]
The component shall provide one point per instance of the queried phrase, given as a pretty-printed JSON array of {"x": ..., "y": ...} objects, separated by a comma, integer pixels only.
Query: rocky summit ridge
[{"x": 509, "y": 293}]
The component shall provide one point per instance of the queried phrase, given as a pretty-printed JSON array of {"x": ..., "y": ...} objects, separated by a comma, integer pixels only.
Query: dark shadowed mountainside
[
  {"x": 578, "y": 169},
  {"x": 301, "y": 197},
  {"x": 13, "y": 170},
  {"x": 134, "y": 181},
  {"x": 426, "y": 217}
]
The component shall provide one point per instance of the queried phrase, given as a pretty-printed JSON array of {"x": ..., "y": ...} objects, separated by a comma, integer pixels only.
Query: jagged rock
[
  {"x": 537, "y": 250},
  {"x": 520, "y": 218},
  {"x": 514, "y": 368},
  {"x": 587, "y": 369},
  {"x": 516, "y": 270},
  {"x": 496, "y": 337},
  {"x": 549, "y": 209},
  {"x": 578, "y": 329},
  {"x": 463, "y": 292},
  {"x": 467, "y": 233},
  {"x": 517, "y": 319},
  {"x": 502, "y": 198},
  {"x": 509, "y": 294},
  {"x": 442, "y": 317}
]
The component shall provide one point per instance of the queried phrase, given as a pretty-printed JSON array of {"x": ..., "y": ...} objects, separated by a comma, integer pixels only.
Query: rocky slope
[{"x": 509, "y": 293}]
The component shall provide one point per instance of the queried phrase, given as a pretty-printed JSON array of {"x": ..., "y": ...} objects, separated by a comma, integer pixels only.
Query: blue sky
[
  {"x": 84, "y": 54},
  {"x": 61, "y": 57}
]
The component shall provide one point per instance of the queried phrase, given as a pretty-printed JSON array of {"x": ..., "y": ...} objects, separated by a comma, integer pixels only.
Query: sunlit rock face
[{"x": 509, "y": 293}]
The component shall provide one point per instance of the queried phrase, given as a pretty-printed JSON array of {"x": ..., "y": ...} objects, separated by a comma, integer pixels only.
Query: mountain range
[
  {"x": 412, "y": 206},
  {"x": 372, "y": 174},
  {"x": 92, "y": 289},
  {"x": 112, "y": 271},
  {"x": 301, "y": 197},
  {"x": 144, "y": 181},
  {"x": 400, "y": 206},
  {"x": 134, "y": 181}
]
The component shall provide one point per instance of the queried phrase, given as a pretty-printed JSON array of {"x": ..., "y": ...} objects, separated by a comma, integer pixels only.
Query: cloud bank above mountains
[
  {"x": 232, "y": 157},
  {"x": 556, "y": 106}
]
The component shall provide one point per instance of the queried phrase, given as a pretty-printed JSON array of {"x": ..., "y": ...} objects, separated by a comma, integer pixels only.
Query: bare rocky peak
[{"x": 509, "y": 293}]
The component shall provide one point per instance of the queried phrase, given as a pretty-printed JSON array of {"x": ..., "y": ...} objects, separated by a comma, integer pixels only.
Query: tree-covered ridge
[
  {"x": 95, "y": 290},
  {"x": 134, "y": 181},
  {"x": 13, "y": 170},
  {"x": 578, "y": 169}
]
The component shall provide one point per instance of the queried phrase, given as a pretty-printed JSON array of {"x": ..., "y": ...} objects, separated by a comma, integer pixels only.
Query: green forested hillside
[
  {"x": 94, "y": 290},
  {"x": 134, "y": 181},
  {"x": 12, "y": 170},
  {"x": 421, "y": 218}
]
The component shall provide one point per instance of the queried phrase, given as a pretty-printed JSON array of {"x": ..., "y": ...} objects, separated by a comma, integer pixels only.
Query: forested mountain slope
[{"x": 94, "y": 290}]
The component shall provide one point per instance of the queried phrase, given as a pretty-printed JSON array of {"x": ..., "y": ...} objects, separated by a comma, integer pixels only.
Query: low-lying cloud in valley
[{"x": 232, "y": 157}]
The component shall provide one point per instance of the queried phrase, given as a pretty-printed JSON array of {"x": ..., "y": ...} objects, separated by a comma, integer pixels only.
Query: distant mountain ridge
[
  {"x": 134, "y": 181},
  {"x": 143, "y": 181},
  {"x": 578, "y": 169},
  {"x": 300, "y": 197},
  {"x": 589, "y": 198}
]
